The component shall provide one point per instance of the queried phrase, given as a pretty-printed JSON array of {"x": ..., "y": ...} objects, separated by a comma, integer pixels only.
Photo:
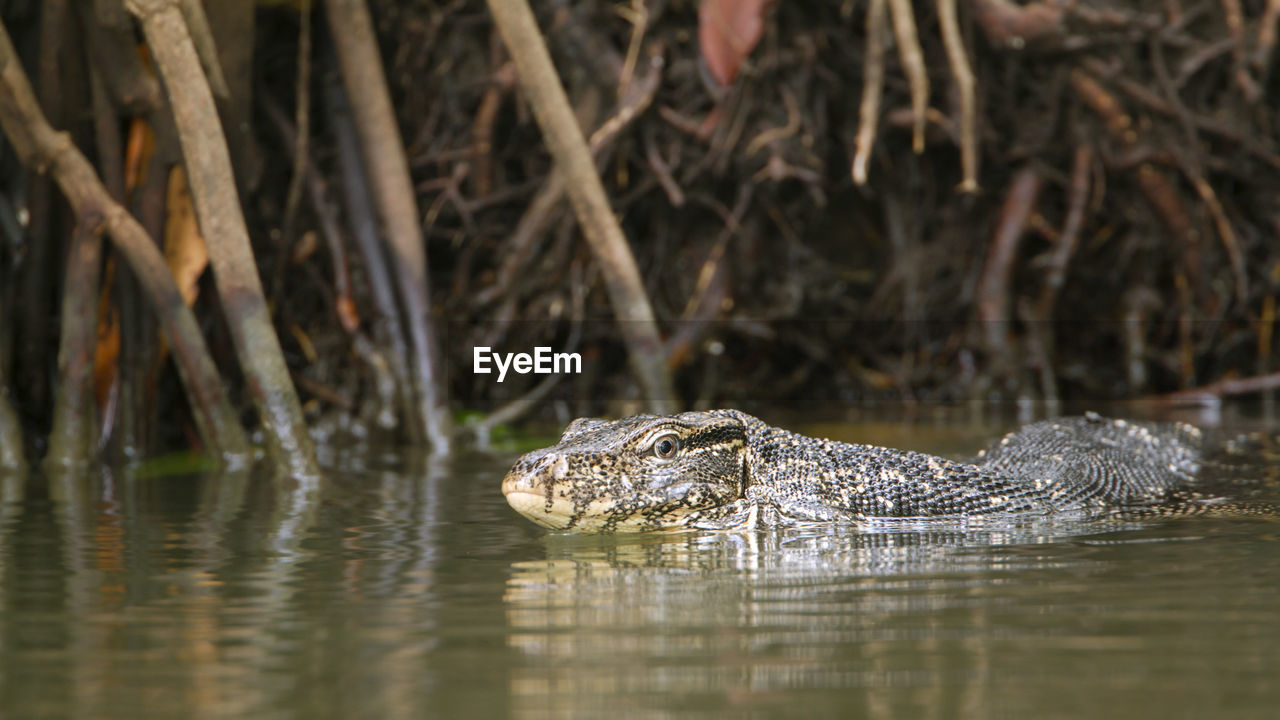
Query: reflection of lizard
[{"x": 725, "y": 469}]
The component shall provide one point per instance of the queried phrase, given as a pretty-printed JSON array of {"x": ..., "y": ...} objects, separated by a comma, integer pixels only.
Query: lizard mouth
[
  {"x": 527, "y": 497},
  {"x": 534, "y": 506},
  {"x": 559, "y": 514},
  {"x": 541, "y": 490}
]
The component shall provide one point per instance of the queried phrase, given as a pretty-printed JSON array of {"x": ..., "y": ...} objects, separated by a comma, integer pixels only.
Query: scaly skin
[{"x": 724, "y": 469}]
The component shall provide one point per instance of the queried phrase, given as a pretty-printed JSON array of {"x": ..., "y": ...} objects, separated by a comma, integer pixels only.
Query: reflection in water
[
  {"x": 416, "y": 592},
  {"x": 918, "y": 621},
  {"x": 199, "y": 598},
  {"x": 814, "y": 608}
]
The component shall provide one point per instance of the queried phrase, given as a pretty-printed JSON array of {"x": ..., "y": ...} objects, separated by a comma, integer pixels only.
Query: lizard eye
[{"x": 666, "y": 446}]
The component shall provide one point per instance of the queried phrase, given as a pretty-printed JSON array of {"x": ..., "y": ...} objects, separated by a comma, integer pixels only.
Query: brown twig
[
  {"x": 222, "y": 224},
  {"x": 872, "y": 89},
  {"x": 381, "y": 403},
  {"x": 538, "y": 216},
  {"x": 325, "y": 393},
  {"x": 1039, "y": 354},
  {"x": 1233, "y": 15},
  {"x": 71, "y": 439},
  {"x": 774, "y": 134},
  {"x": 1267, "y": 30},
  {"x": 993, "y": 304},
  {"x": 912, "y": 57},
  {"x": 633, "y": 103},
  {"x": 450, "y": 192},
  {"x": 1135, "y": 306},
  {"x": 13, "y": 460},
  {"x": 563, "y": 135},
  {"x": 1191, "y": 165},
  {"x": 535, "y": 220},
  {"x": 326, "y": 219},
  {"x": 388, "y": 328},
  {"x": 728, "y": 122},
  {"x": 1169, "y": 208},
  {"x": 662, "y": 171},
  {"x": 712, "y": 286},
  {"x": 383, "y": 151},
  {"x": 1150, "y": 99},
  {"x": 1039, "y": 319},
  {"x": 1215, "y": 391},
  {"x": 966, "y": 85},
  {"x": 1192, "y": 63},
  {"x": 1065, "y": 244},
  {"x": 301, "y": 123},
  {"x": 38, "y": 145},
  {"x": 1156, "y": 188},
  {"x": 1013, "y": 26},
  {"x": 482, "y": 130},
  {"x": 1228, "y": 236},
  {"x": 638, "y": 16},
  {"x": 688, "y": 126}
]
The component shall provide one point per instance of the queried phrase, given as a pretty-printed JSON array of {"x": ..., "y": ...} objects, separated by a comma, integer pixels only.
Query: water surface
[{"x": 415, "y": 592}]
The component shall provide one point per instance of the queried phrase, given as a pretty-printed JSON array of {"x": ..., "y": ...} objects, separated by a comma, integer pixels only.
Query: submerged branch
[
  {"x": 12, "y": 458},
  {"x": 388, "y": 171},
  {"x": 222, "y": 224},
  {"x": 71, "y": 439}
]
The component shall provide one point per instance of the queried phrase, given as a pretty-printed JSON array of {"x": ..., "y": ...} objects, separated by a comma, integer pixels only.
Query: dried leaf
[
  {"x": 106, "y": 355},
  {"x": 184, "y": 248},
  {"x": 304, "y": 248},
  {"x": 141, "y": 144},
  {"x": 304, "y": 343},
  {"x": 348, "y": 316},
  {"x": 728, "y": 31}
]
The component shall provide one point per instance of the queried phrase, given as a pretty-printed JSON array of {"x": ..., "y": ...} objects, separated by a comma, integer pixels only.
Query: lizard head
[{"x": 646, "y": 472}]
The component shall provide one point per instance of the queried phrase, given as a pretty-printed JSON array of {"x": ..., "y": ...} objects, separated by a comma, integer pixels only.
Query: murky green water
[{"x": 417, "y": 593}]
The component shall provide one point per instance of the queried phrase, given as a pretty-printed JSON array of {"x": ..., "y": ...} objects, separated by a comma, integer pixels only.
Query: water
[{"x": 415, "y": 592}]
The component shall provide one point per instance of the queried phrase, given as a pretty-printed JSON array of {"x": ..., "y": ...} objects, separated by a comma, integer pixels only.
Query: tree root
[{"x": 47, "y": 150}]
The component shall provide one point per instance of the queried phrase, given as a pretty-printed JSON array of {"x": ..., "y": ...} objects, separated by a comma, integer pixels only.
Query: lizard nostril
[{"x": 560, "y": 469}]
